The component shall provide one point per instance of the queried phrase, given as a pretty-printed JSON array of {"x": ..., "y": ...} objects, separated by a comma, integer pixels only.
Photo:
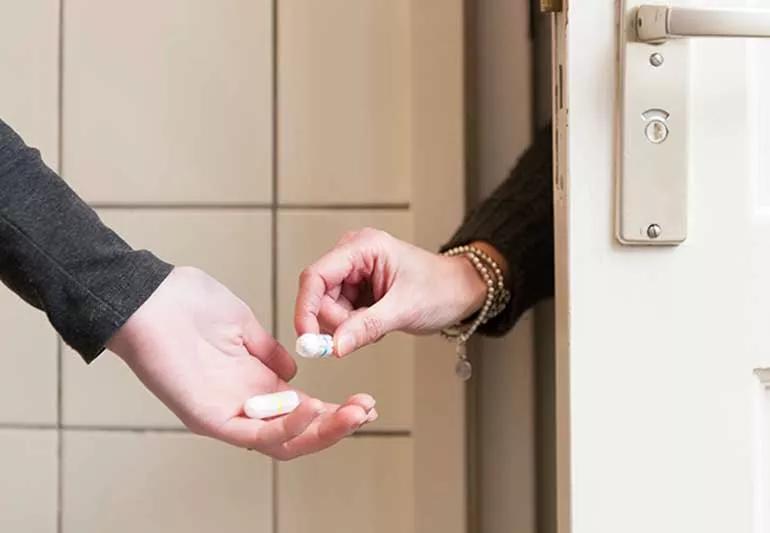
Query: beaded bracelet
[{"x": 496, "y": 300}]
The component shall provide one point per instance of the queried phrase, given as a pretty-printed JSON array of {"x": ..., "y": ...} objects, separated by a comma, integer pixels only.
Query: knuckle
[
  {"x": 306, "y": 274},
  {"x": 373, "y": 328},
  {"x": 371, "y": 232},
  {"x": 282, "y": 455},
  {"x": 378, "y": 236}
]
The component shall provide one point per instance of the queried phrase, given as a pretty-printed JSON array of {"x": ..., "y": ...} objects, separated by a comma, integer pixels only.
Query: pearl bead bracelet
[{"x": 496, "y": 300}]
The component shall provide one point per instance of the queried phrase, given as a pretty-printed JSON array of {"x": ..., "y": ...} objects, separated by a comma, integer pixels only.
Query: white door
[{"x": 663, "y": 403}]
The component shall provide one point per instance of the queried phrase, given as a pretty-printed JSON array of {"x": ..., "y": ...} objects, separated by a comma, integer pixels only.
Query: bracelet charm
[{"x": 497, "y": 298}]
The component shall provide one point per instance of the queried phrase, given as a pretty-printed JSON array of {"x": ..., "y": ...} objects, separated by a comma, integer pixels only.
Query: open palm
[{"x": 200, "y": 350}]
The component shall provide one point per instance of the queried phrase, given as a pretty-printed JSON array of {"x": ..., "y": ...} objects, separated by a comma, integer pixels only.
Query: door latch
[
  {"x": 653, "y": 149},
  {"x": 551, "y": 6}
]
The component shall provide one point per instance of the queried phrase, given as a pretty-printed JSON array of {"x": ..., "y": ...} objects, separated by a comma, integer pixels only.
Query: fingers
[
  {"x": 332, "y": 314},
  {"x": 353, "y": 258},
  {"x": 335, "y": 310},
  {"x": 326, "y": 274},
  {"x": 266, "y": 435},
  {"x": 363, "y": 400},
  {"x": 264, "y": 347},
  {"x": 367, "y": 326},
  {"x": 350, "y": 291},
  {"x": 312, "y": 427},
  {"x": 330, "y": 428}
]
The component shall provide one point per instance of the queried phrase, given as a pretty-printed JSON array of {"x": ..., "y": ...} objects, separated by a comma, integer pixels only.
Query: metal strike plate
[
  {"x": 551, "y": 6},
  {"x": 652, "y": 158}
]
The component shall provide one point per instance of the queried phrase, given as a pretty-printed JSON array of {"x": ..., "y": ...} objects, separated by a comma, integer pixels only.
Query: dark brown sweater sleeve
[{"x": 517, "y": 219}]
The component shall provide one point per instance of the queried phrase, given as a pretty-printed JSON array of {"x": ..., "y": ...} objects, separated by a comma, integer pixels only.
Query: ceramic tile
[
  {"x": 28, "y": 482},
  {"x": 364, "y": 484},
  {"x": 123, "y": 482},
  {"x": 28, "y": 352},
  {"x": 29, "y": 92},
  {"x": 168, "y": 102},
  {"x": 344, "y": 101}
]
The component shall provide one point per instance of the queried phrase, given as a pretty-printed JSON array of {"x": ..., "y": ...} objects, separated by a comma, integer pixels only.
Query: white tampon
[
  {"x": 270, "y": 405},
  {"x": 314, "y": 346}
]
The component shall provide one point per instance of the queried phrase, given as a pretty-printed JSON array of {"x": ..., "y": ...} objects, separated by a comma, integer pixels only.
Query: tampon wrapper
[
  {"x": 315, "y": 346},
  {"x": 270, "y": 405}
]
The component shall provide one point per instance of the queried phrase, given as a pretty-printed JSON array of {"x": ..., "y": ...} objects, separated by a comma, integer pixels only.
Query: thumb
[{"x": 366, "y": 326}]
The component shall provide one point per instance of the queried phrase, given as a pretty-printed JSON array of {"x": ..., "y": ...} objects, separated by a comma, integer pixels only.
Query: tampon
[
  {"x": 314, "y": 346},
  {"x": 270, "y": 405}
]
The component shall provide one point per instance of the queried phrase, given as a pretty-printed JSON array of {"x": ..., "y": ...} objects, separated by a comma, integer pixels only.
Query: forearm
[
  {"x": 57, "y": 255},
  {"x": 515, "y": 226}
]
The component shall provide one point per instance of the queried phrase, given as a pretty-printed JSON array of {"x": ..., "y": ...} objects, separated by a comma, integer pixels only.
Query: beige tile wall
[
  {"x": 191, "y": 138},
  {"x": 29, "y": 55},
  {"x": 29, "y": 102},
  {"x": 28, "y": 487},
  {"x": 124, "y": 482},
  {"x": 344, "y": 132},
  {"x": 28, "y": 347},
  {"x": 355, "y": 503},
  {"x": 27, "y": 364},
  {"x": 168, "y": 102}
]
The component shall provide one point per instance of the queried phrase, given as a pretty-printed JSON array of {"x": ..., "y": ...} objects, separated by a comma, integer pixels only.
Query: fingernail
[
  {"x": 370, "y": 404},
  {"x": 345, "y": 345},
  {"x": 358, "y": 426},
  {"x": 373, "y": 415}
]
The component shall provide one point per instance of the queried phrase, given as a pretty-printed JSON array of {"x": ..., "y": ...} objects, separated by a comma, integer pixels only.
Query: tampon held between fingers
[
  {"x": 315, "y": 346},
  {"x": 270, "y": 405}
]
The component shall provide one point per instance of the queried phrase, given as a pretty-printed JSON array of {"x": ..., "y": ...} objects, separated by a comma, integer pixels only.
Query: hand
[
  {"x": 200, "y": 350},
  {"x": 371, "y": 283}
]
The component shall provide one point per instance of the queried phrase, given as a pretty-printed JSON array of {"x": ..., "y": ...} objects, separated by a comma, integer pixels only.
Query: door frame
[{"x": 561, "y": 521}]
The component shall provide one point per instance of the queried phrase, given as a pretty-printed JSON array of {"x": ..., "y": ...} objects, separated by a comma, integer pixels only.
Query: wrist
[
  {"x": 124, "y": 341},
  {"x": 480, "y": 280},
  {"x": 471, "y": 288},
  {"x": 136, "y": 332}
]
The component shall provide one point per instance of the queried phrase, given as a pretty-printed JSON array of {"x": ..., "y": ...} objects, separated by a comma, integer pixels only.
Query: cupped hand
[
  {"x": 371, "y": 283},
  {"x": 200, "y": 350}
]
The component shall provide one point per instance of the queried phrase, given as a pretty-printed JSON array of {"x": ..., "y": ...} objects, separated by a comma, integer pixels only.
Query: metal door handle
[
  {"x": 655, "y": 24},
  {"x": 654, "y": 81}
]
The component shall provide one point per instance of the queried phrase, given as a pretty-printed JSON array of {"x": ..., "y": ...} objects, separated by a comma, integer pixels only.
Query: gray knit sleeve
[{"x": 57, "y": 255}]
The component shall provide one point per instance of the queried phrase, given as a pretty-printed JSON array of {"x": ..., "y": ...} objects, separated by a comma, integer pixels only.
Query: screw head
[
  {"x": 657, "y": 59},
  {"x": 654, "y": 231}
]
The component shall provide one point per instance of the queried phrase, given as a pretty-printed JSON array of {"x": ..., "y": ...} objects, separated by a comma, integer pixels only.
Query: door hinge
[{"x": 550, "y": 6}]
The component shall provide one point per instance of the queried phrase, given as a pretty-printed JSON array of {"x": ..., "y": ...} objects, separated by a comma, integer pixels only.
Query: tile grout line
[
  {"x": 23, "y": 426},
  {"x": 274, "y": 230},
  {"x": 59, "y": 378},
  {"x": 59, "y": 439},
  {"x": 265, "y": 206}
]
